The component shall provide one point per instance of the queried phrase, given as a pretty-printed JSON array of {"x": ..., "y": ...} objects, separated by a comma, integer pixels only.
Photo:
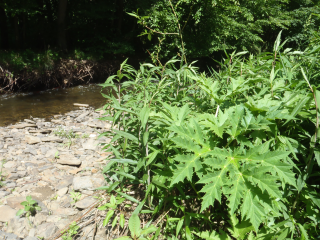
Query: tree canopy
[{"x": 207, "y": 26}]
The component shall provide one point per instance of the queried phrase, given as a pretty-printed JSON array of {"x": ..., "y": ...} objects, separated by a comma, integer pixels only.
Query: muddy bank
[
  {"x": 59, "y": 164},
  {"x": 62, "y": 74}
]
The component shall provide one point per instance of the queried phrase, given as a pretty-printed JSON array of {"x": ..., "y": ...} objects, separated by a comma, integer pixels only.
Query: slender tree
[
  {"x": 4, "y": 42},
  {"x": 62, "y": 41}
]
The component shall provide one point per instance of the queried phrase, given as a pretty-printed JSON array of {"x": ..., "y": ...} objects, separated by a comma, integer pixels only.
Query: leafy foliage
[
  {"x": 30, "y": 207},
  {"x": 229, "y": 155}
]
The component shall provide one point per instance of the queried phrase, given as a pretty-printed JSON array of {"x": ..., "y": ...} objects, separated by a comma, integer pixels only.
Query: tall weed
[{"x": 231, "y": 155}]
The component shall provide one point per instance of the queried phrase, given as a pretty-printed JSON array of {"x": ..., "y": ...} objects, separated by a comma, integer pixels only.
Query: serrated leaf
[
  {"x": 239, "y": 230},
  {"x": 236, "y": 193},
  {"x": 252, "y": 209},
  {"x": 212, "y": 190},
  {"x": 185, "y": 170}
]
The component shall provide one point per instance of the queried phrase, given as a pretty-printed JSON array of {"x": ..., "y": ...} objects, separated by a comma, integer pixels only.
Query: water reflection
[{"x": 16, "y": 107}]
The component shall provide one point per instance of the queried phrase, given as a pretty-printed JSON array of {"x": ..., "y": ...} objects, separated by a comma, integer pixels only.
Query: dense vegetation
[
  {"x": 229, "y": 155},
  {"x": 104, "y": 29},
  {"x": 38, "y": 38}
]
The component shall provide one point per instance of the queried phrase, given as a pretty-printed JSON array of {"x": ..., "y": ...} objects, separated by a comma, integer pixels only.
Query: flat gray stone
[
  {"x": 95, "y": 125},
  {"x": 10, "y": 164},
  {"x": 82, "y": 183},
  {"x": 8, "y": 236},
  {"x": 46, "y": 131},
  {"x": 53, "y": 218},
  {"x": 51, "y": 153},
  {"x": 39, "y": 218},
  {"x": 81, "y": 116},
  {"x": 85, "y": 203},
  {"x": 90, "y": 144},
  {"x": 29, "y": 121},
  {"x": 69, "y": 160},
  {"x": 66, "y": 182},
  {"x": 7, "y": 213},
  {"x": 23, "y": 125},
  {"x": 81, "y": 105},
  {"x": 31, "y": 151},
  {"x": 32, "y": 139},
  {"x": 3, "y": 194},
  {"x": 52, "y": 139},
  {"x": 65, "y": 211},
  {"x": 15, "y": 202},
  {"x": 46, "y": 230},
  {"x": 13, "y": 176},
  {"x": 31, "y": 238},
  {"x": 62, "y": 191}
]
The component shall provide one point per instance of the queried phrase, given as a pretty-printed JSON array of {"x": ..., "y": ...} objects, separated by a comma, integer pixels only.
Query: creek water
[{"x": 45, "y": 104}]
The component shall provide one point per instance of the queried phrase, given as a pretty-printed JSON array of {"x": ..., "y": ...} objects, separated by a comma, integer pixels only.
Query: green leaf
[
  {"x": 126, "y": 135},
  {"x": 144, "y": 116},
  {"x": 252, "y": 209},
  {"x": 185, "y": 170},
  {"x": 304, "y": 234},
  {"x": 134, "y": 225},
  {"x": 149, "y": 230},
  {"x": 179, "y": 225},
  {"x": 113, "y": 200},
  {"x": 21, "y": 211},
  {"x": 123, "y": 238},
  {"x": 284, "y": 234},
  {"x": 151, "y": 157},
  {"x": 108, "y": 216},
  {"x": 188, "y": 233},
  {"x": 122, "y": 220},
  {"x": 29, "y": 198},
  {"x": 129, "y": 161},
  {"x": 212, "y": 190},
  {"x": 127, "y": 197},
  {"x": 239, "y": 230},
  {"x": 114, "y": 222}
]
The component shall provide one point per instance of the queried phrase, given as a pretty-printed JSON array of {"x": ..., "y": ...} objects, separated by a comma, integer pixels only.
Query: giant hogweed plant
[{"x": 233, "y": 155}]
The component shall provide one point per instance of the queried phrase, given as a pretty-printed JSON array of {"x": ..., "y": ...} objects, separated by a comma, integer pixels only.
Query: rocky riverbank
[{"x": 59, "y": 164}]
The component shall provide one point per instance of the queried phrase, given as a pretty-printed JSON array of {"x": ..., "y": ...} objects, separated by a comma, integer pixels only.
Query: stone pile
[{"x": 51, "y": 169}]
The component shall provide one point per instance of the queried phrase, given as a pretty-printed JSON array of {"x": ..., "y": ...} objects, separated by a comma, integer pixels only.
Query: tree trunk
[
  {"x": 120, "y": 16},
  {"x": 24, "y": 22},
  {"x": 16, "y": 31},
  {"x": 62, "y": 41},
  {"x": 4, "y": 42}
]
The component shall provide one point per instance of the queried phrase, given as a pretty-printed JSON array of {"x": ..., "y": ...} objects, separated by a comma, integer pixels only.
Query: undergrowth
[
  {"x": 231, "y": 155},
  {"x": 37, "y": 61}
]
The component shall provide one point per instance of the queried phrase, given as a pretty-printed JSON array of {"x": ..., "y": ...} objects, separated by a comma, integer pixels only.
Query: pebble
[
  {"x": 7, "y": 213},
  {"x": 41, "y": 165},
  {"x": 68, "y": 160},
  {"x": 32, "y": 140},
  {"x": 85, "y": 203}
]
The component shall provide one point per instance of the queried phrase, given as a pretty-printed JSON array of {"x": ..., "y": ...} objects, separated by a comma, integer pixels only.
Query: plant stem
[{"x": 180, "y": 33}]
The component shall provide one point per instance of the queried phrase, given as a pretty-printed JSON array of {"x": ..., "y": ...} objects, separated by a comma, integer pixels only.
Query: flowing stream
[{"x": 45, "y": 104}]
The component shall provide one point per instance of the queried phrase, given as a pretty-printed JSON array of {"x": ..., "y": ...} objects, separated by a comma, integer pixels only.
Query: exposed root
[{"x": 66, "y": 73}]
